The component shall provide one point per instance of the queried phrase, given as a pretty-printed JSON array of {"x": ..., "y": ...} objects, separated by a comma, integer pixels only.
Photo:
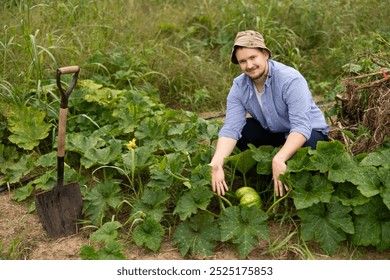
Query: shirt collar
[{"x": 270, "y": 72}]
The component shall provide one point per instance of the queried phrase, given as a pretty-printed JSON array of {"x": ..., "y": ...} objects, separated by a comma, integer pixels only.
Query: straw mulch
[{"x": 363, "y": 121}]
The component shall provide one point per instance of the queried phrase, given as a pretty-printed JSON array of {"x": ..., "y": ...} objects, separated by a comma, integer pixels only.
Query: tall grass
[{"x": 181, "y": 47}]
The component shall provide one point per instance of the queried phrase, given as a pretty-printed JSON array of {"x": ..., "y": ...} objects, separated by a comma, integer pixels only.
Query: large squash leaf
[
  {"x": 372, "y": 224},
  {"x": 102, "y": 156},
  {"x": 149, "y": 233},
  {"x": 263, "y": 155},
  {"x": 152, "y": 204},
  {"x": 27, "y": 126},
  {"x": 366, "y": 179},
  {"x": 243, "y": 161},
  {"x": 332, "y": 158},
  {"x": 99, "y": 200},
  {"x": 244, "y": 227},
  {"x": 327, "y": 223},
  {"x": 380, "y": 157},
  {"x": 197, "y": 235},
  {"x": 309, "y": 189},
  {"x": 192, "y": 200}
]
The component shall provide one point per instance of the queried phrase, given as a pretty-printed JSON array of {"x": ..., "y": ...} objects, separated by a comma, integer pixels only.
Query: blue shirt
[{"x": 287, "y": 102}]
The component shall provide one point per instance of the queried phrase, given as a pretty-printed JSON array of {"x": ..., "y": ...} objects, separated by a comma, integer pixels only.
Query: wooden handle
[{"x": 69, "y": 69}]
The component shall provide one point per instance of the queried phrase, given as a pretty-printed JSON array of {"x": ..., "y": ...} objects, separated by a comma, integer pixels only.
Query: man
[{"x": 279, "y": 102}]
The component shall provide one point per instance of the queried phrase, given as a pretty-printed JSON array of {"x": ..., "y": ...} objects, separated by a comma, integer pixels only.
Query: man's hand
[
  {"x": 278, "y": 168},
  {"x": 218, "y": 180}
]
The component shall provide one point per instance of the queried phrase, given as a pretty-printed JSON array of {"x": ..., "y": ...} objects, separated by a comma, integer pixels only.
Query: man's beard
[{"x": 260, "y": 75}]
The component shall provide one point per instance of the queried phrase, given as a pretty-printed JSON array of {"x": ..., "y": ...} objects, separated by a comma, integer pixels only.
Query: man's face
[{"x": 253, "y": 62}]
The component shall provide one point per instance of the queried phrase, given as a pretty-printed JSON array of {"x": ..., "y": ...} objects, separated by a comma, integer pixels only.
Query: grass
[{"x": 182, "y": 47}]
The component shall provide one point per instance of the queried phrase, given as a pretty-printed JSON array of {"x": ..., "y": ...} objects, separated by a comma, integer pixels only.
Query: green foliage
[
  {"x": 197, "y": 235},
  {"x": 149, "y": 233},
  {"x": 309, "y": 189},
  {"x": 27, "y": 126},
  {"x": 152, "y": 204},
  {"x": 372, "y": 224},
  {"x": 327, "y": 223},
  {"x": 192, "y": 200},
  {"x": 105, "y": 239},
  {"x": 243, "y": 227},
  {"x": 100, "y": 199}
]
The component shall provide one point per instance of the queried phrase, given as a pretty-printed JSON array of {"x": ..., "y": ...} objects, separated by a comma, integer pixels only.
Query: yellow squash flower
[{"x": 131, "y": 144}]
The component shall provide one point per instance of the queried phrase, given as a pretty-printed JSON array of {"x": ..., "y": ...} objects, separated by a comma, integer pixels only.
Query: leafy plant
[
  {"x": 100, "y": 199},
  {"x": 149, "y": 233},
  {"x": 27, "y": 126},
  {"x": 111, "y": 248},
  {"x": 244, "y": 227},
  {"x": 197, "y": 235}
]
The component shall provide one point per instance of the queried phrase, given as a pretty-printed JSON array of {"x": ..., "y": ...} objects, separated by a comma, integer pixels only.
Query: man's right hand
[{"x": 218, "y": 183}]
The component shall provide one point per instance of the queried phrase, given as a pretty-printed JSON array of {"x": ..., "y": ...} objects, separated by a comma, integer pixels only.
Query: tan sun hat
[{"x": 248, "y": 39}]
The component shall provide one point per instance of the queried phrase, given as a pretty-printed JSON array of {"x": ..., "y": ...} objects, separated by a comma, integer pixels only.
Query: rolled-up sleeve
[{"x": 298, "y": 99}]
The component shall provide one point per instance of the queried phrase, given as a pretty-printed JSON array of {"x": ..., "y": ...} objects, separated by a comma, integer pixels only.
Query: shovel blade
[{"x": 60, "y": 209}]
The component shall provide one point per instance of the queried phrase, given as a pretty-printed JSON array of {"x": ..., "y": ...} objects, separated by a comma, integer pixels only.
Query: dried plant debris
[{"x": 364, "y": 115}]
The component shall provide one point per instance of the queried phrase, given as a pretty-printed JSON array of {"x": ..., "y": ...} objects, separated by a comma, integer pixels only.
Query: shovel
[{"x": 60, "y": 208}]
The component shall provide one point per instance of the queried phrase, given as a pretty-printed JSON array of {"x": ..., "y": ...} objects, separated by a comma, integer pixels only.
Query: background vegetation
[
  {"x": 145, "y": 65},
  {"x": 182, "y": 47}
]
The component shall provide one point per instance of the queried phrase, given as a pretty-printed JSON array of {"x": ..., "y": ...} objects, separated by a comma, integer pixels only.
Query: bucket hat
[{"x": 248, "y": 39}]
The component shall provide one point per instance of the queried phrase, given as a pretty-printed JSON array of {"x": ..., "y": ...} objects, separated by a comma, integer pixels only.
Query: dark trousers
[{"x": 254, "y": 133}]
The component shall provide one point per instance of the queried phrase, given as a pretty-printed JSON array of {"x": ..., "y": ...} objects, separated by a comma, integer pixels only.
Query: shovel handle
[
  {"x": 65, "y": 94},
  {"x": 62, "y": 118},
  {"x": 69, "y": 69}
]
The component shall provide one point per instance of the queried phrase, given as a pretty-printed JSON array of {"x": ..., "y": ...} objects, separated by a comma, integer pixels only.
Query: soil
[{"x": 23, "y": 228}]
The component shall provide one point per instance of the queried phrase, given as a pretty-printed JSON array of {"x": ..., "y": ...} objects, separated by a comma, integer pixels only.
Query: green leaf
[
  {"x": 23, "y": 193},
  {"x": 309, "y": 189},
  {"x": 16, "y": 170},
  {"x": 380, "y": 157},
  {"x": 80, "y": 142},
  {"x": 198, "y": 235},
  {"x": 159, "y": 177},
  {"x": 384, "y": 175},
  {"x": 244, "y": 227},
  {"x": 103, "y": 156},
  {"x": 179, "y": 145},
  {"x": 326, "y": 223},
  {"x": 263, "y": 155},
  {"x": 143, "y": 157},
  {"x": 152, "y": 130},
  {"x": 349, "y": 195},
  {"x": 100, "y": 199},
  {"x": 112, "y": 251},
  {"x": 89, "y": 84},
  {"x": 47, "y": 160},
  {"x": 8, "y": 156},
  {"x": 243, "y": 161},
  {"x": 371, "y": 221},
  {"x": 192, "y": 200},
  {"x": 332, "y": 158},
  {"x": 150, "y": 233},
  {"x": 384, "y": 244},
  {"x": 107, "y": 232},
  {"x": 152, "y": 203},
  {"x": 200, "y": 176},
  {"x": 299, "y": 161},
  {"x": 367, "y": 180},
  {"x": 27, "y": 126},
  {"x": 88, "y": 253}
]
